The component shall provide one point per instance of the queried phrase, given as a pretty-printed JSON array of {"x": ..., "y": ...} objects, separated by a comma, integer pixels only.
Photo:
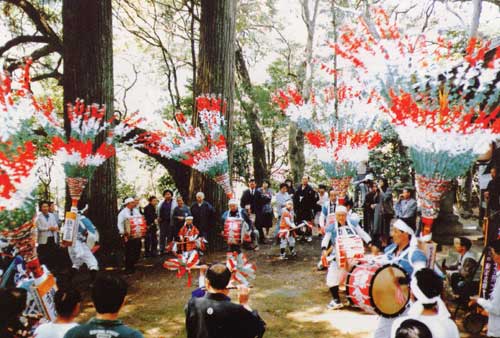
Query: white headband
[
  {"x": 421, "y": 299},
  {"x": 341, "y": 209},
  {"x": 400, "y": 225}
]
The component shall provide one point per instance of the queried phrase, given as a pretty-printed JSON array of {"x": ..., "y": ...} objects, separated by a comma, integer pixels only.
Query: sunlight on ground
[{"x": 347, "y": 322}]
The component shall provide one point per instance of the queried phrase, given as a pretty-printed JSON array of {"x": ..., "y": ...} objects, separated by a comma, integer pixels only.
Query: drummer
[
  {"x": 236, "y": 212},
  {"x": 327, "y": 215},
  {"x": 328, "y": 253},
  {"x": 403, "y": 252}
]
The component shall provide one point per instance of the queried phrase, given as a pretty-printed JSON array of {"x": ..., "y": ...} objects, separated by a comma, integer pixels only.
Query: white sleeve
[
  {"x": 492, "y": 305},
  {"x": 363, "y": 234},
  {"x": 121, "y": 220},
  {"x": 326, "y": 240}
]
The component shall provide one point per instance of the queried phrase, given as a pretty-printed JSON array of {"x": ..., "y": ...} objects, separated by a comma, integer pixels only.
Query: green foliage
[
  {"x": 12, "y": 219},
  {"x": 166, "y": 182},
  {"x": 390, "y": 159}
]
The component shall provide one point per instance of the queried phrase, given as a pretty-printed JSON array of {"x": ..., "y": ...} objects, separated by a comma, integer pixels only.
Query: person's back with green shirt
[
  {"x": 99, "y": 328},
  {"x": 108, "y": 296}
]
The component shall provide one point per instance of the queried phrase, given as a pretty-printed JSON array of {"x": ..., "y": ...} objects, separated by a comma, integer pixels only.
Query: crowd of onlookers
[{"x": 108, "y": 294}]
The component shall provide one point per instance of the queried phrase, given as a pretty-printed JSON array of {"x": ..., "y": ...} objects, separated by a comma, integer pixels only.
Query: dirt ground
[{"x": 290, "y": 296}]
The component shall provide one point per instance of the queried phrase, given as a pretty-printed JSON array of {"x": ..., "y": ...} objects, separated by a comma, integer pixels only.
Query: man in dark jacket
[
  {"x": 203, "y": 215},
  {"x": 151, "y": 216},
  {"x": 250, "y": 202},
  {"x": 180, "y": 214},
  {"x": 304, "y": 202},
  {"x": 215, "y": 316}
]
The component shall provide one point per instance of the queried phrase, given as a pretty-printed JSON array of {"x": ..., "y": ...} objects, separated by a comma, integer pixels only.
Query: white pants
[
  {"x": 80, "y": 254},
  {"x": 284, "y": 241},
  {"x": 333, "y": 275}
]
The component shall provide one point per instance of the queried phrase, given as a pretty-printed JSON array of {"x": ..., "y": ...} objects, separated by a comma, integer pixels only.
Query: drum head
[{"x": 384, "y": 291}]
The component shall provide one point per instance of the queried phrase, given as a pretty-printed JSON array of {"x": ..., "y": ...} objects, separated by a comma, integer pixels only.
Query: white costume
[
  {"x": 439, "y": 324},
  {"x": 334, "y": 272},
  {"x": 80, "y": 252},
  {"x": 410, "y": 259}
]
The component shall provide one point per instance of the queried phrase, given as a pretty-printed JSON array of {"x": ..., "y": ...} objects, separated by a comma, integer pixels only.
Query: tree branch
[
  {"x": 37, "y": 54},
  {"x": 52, "y": 75},
  {"x": 40, "y": 23},
  {"x": 23, "y": 39}
]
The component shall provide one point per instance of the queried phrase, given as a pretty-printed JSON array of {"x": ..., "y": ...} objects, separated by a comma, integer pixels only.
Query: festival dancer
[
  {"x": 286, "y": 233},
  {"x": 238, "y": 228},
  {"x": 189, "y": 237},
  {"x": 335, "y": 273},
  {"x": 80, "y": 252},
  {"x": 403, "y": 252}
]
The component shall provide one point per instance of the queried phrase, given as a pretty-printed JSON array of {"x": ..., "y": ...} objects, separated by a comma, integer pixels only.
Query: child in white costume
[{"x": 286, "y": 236}]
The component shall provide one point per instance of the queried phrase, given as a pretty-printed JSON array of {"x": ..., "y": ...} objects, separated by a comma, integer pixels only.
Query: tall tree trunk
[
  {"x": 295, "y": 135},
  {"x": 88, "y": 74},
  {"x": 216, "y": 75},
  {"x": 252, "y": 118}
]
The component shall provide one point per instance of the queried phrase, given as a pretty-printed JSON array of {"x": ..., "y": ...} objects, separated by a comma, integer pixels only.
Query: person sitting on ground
[
  {"x": 215, "y": 316},
  {"x": 108, "y": 295},
  {"x": 67, "y": 303},
  {"x": 428, "y": 307},
  {"x": 464, "y": 268},
  {"x": 12, "y": 305},
  {"x": 411, "y": 328},
  {"x": 492, "y": 305}
]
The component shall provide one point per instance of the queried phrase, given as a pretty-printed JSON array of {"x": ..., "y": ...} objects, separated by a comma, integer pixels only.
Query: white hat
[
  {"x": 189, "y": 217},
  {"x": 128, "y": 200},
  {"x": 232, "y": 201},
  {"x": 341, "y": 209}
]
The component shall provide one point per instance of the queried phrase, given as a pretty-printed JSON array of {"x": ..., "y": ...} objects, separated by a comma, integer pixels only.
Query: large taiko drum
[
  {"x": 233, "y": 230},
  {"x": 375, "y": 289},
  {"x": 136, "y": 226},
  {"x": 348, "y": 247}
]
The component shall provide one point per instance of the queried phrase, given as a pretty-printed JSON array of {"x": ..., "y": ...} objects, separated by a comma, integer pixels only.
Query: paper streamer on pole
[
  {"x": 340, "y": 186},
  {"x": 183, "y": 264},
  {"x": 225, "y": 182},
  {"x": 241, "y": 268},
  {"x": 430, "y": 190},
  {"x": 76, "y": 186},
  {"x": 24, "y": 240}
]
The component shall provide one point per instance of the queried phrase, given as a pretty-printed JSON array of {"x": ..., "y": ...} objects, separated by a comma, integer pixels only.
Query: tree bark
[
  {"x": 295, "y": 135},
  {"x": 252, "y": 118},
  {"x": 88, "y": 74},
  {"x": 216, "y": 76}
]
